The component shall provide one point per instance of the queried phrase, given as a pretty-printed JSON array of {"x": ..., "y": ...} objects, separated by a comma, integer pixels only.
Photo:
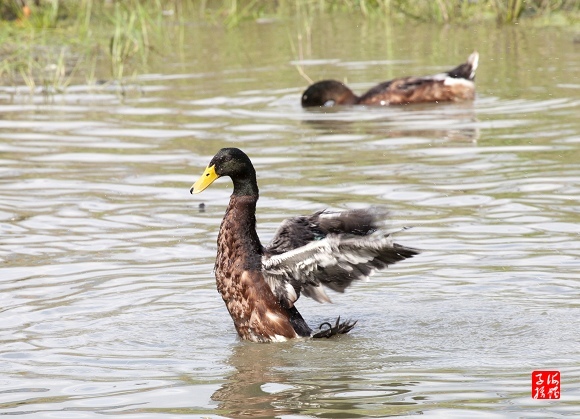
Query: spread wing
[
  {"x": 299, "y": 231},
  {"x": 328, "y": 259}
]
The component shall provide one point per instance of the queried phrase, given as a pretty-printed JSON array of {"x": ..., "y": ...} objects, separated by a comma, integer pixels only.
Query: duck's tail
[{"x": 467, "y": 69}]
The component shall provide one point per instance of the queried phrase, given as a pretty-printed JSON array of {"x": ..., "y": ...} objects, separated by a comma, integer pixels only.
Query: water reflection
[
  {"x": 255, "y": 388},
  {"x": 453, "y": 134},
  {"x": 270, "y": 381},
  {"x": 455, "y": 122}
]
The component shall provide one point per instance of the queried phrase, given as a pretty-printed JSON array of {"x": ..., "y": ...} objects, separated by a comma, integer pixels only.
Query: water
[{"x": 108, "y": 302}]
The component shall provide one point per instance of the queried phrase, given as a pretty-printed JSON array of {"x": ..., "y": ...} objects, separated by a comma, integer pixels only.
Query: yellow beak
[{"x": 208, "y": 177}]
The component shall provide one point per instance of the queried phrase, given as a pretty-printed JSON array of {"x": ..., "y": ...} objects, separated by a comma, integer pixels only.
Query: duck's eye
[{"x": 207, "y": 174}]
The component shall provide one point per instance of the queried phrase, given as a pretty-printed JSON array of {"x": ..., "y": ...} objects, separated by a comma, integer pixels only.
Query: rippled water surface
[{"x": 107, "y": 297}]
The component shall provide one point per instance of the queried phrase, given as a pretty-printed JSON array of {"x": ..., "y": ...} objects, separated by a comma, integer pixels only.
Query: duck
[
  {"x": 327, "y": 249},
  {"x": 454, "y": 85}
]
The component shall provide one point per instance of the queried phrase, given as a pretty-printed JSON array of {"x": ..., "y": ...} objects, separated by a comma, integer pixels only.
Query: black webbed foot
[{"x": 338, "y": 329}]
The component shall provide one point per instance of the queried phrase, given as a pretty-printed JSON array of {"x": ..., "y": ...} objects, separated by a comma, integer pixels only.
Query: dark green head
[{"x": 234, "y": 163}]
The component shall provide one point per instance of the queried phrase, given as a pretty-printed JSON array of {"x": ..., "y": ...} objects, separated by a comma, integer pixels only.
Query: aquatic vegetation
[
  {"x": 59, "y": 40},
  {"x": 438, "y": 11},
  {"x": 50, "y": 43}
]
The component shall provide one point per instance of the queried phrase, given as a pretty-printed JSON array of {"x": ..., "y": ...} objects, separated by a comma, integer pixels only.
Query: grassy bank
[
  {"x": 433, "y": 11},
  {"x": 48, "y": 44}
]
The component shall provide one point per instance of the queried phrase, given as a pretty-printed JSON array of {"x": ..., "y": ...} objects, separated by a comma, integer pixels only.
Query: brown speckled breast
[{"x": 256, "y": 313}]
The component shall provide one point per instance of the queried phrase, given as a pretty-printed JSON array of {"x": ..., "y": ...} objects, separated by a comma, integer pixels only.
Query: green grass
[
  {"x": 433, "y": 11},
  {"x": 64, "y": 41}
]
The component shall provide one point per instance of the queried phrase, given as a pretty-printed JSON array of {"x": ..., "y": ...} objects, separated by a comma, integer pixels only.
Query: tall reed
[{"x": 125, "y": 32}]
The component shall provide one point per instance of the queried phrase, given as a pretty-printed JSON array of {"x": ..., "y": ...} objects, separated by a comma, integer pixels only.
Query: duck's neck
[
  {"x": 246, "y": 186},
  {"x": 238, "y": 235}
]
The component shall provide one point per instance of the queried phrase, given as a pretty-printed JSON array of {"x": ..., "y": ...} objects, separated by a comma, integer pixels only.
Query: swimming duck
[
  {"x": 260, "y": 285},
  {"x": 454, "y": 85}
]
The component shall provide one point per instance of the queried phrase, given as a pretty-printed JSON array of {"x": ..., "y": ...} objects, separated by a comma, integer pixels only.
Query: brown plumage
[
  {"x": 260, "y": 285},
  {"x": 454, "y": 85},
  {"x": 249, "y": 299}
]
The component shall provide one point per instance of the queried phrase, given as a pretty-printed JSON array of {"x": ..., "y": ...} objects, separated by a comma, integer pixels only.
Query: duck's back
[{"x": 454, "y": 85}]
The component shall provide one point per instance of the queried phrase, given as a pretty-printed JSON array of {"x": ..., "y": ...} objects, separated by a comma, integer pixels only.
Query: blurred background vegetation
[{"x": 46, "y": 43}]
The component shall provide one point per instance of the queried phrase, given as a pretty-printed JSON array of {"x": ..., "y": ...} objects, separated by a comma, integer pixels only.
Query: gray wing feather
[
  {"x": 299, "y": 231},
  {"x": 334, "y": 262}
]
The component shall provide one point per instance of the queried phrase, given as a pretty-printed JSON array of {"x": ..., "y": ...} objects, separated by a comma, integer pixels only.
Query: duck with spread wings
[{"x": 260, "y": 285}]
